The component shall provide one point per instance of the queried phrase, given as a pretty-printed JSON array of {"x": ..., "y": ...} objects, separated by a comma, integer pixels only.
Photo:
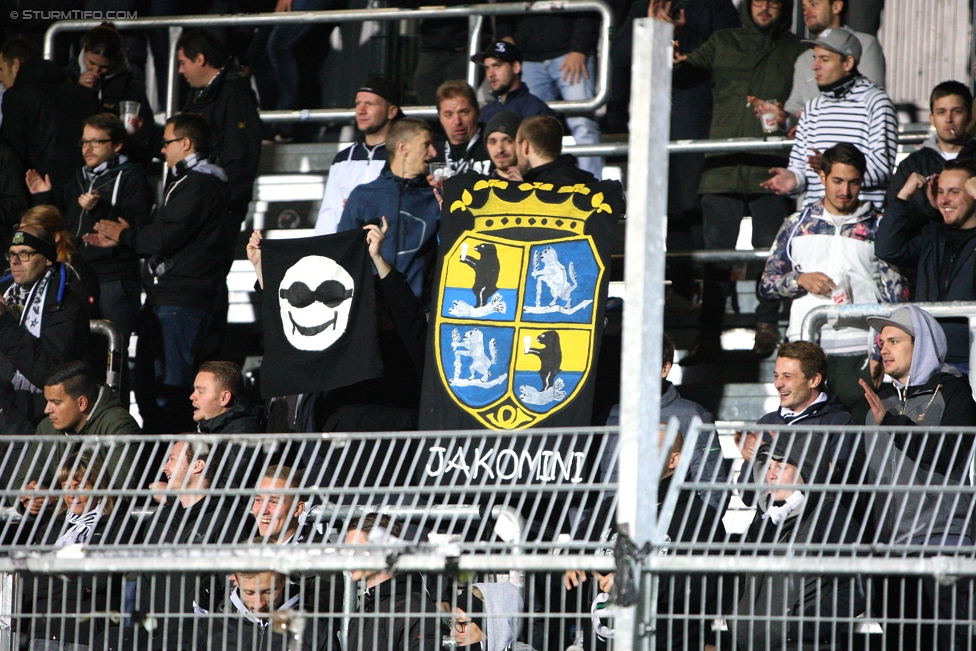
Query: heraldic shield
[{"x": 516, "y": 322}]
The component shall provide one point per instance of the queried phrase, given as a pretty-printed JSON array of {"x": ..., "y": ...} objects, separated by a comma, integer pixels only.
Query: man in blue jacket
[
  {"x": 503, "y": 69},
  {"x": 403, "y": 196}
]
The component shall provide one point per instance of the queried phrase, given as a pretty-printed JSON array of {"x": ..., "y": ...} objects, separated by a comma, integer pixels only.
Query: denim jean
[
  {"x": 545, "y": 81},
  {"x": 183, "y": 330},
  {"x": 281, "y": 51}
]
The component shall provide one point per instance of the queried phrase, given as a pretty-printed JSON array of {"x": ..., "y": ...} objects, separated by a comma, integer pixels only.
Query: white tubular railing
[
  {"x": 819, "y": 316},
  {"x": 476, "y": 12}
]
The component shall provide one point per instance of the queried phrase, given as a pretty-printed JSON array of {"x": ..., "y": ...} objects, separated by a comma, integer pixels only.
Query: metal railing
[
  {"x": 475, "y": 13},
  {"x": 113, "y": 363},
  {"x": 876, "y": 523},
  {"x": 821, "y": 315}
]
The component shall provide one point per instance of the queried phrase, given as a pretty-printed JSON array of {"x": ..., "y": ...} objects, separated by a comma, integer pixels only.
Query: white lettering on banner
[{"x": 544, "y": 465}]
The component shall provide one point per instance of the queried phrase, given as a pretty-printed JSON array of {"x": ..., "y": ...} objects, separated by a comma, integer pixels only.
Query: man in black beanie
[
  {"x": 500, "y": 141},
  {"x": 377, "y": 105},
  {"x": 43, "y": 324}
]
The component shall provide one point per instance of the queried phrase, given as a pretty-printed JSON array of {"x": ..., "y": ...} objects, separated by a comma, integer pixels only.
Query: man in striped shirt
[{"x": 851, "y": 109}]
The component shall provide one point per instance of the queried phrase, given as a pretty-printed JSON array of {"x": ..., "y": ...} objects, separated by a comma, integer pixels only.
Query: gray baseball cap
[
  {"x": 900, "y": 318},
  {"x": 841, "y": 40}
]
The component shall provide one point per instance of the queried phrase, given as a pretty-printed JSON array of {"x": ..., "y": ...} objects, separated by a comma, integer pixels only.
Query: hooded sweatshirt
[
  {"x": 935, "y": 394},
  {"x": 502, "y": 600},
  {"x": 413, "y": 215}
]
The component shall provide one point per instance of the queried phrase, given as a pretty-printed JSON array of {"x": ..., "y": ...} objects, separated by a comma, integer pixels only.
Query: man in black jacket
[
  {"x": 217, "y": 400},
  {"x": 800, "y": 376},
  {"x": 42, "y": 111},
  {"x": 13, "y": 190},
  {"x": 951, "y": 113},
  {"x": 222, "y": 94},
  {"x": 539, "y": 146},
  {"x": 107, "y": 186},
  {"x": 942, "y": 252},
  {"x": 185, "y": 245},
  {"x": 43, "y": 324},
  {"x": 399, "y": 614}
]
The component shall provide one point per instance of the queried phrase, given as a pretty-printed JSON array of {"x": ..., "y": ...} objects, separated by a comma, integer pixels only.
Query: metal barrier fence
[
  {"x": 475, "y": 14},
  {"x": 866, "y": 541},
  {"x": 856, "y": 314}
]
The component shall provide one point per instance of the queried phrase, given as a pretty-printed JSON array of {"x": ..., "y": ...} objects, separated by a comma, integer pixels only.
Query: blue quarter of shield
[
  {"x": 560, "y": 283},
  {"x": 476, "y": 361}
]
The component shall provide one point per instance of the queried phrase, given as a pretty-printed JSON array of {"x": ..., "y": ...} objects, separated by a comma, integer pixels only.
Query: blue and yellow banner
[{"x": 518, "y": 314}]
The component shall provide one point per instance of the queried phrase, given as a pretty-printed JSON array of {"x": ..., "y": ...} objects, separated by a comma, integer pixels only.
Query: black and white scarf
[
  {"x": 28, "y": 305},
  {"x": 81, "y": 526}
]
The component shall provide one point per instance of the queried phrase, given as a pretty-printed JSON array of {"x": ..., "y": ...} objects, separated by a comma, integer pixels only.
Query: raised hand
[
  {"x": 36, "y": 183},
  {"x": 374, "y": 241}
]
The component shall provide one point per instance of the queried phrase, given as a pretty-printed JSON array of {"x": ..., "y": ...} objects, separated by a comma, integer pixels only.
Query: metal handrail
[
  {"x": 113, "y": 372},
  {"x": 717, "y": 146},
  {"x": 819, "y": 316},
  {"x": 355, "y": 15}
]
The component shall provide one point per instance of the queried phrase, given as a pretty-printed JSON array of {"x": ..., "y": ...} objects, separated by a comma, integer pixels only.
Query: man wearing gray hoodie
[
  {"x": 927, "y": 393},
  {"x": 484, "y": 617}
]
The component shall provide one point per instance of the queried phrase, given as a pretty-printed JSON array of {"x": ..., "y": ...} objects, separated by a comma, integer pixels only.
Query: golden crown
[{"x": 498, "y": 213}]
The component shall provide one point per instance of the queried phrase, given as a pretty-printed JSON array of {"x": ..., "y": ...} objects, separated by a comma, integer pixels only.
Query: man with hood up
[
  {"x": 483, "y": 617},
  {"x": 787, "y": 519},
  {"x": 753, "y": 60},
  {"x": 927, "y": 393}
]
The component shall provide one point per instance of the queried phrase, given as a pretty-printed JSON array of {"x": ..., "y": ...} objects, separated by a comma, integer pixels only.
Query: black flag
[
  {"x": 319, "y": 314},
  {"x": 521, "y": 286}
]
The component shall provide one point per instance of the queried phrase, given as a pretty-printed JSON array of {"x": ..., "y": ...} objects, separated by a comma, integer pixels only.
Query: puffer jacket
[
  {"x": 811, "y": 241},
  {"x": 413, "y": 215},
  {"x": 742, "y": 61}
]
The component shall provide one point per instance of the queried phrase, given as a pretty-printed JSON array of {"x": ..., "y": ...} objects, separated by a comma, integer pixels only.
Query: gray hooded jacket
[{"x": 936, "y": 394}]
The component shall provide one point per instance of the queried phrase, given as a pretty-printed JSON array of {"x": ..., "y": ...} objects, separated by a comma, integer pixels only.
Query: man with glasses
[
  {"x": 108, "y": 186},
  {"x": 184, "y": 245},
  {"x": 753, "y": 60},
  {"x": 43, "y": 324}
]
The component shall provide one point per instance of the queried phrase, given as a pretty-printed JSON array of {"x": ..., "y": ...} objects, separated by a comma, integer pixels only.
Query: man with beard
[
  {"x": 501, "y": 131},
  {"x": 503, "y": 69},
  {"x": 377, "y": 105}
]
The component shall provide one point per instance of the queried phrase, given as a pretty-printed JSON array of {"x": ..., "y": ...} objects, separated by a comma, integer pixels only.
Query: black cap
[
  {"x": 499, "y": 50},
  {"x": 383, "y": 87},
  {"x": 506, "y": 122}
]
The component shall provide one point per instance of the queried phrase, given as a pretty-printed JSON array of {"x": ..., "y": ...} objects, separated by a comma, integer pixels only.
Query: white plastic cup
[
  {"x": 768, "y": 119},
  {"x": 130, "y": 115},
  {"x": 841, "y": 294},
  {"x": 441, "y": 171}
]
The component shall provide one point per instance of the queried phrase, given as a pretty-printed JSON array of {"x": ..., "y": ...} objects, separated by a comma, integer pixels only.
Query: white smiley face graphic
[{"x": 315, "y": 297}]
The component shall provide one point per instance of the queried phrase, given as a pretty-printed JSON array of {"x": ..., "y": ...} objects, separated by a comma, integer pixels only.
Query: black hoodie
[{"x": 43, "y": 114}]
